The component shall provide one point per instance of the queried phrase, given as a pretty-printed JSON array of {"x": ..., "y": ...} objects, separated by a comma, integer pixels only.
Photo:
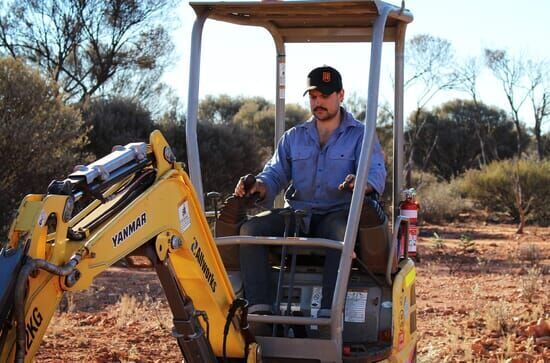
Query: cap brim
[
  {"x": 324, "y": 90},
  {"x": 311, "y": 88}
]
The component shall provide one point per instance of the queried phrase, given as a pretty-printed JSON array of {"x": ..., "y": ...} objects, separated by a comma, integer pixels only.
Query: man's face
[{"x": 325, "y": 107}]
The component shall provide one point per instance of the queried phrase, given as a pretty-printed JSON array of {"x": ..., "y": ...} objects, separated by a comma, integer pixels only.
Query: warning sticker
[
  {"x": 316, "y": 297},
  {"x": 42, "y": 218},
  {"x": 185, "y": 218},
  {"x": 356, "y": 303}
]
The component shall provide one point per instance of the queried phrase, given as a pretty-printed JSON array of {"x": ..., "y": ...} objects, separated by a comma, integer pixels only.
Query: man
[{"x": 315, "y": 158}]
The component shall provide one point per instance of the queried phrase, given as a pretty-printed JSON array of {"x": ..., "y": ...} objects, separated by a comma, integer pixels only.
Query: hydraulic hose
[
  {"x": 131, "y": 191},
  {"x": 30, "y": 265}
]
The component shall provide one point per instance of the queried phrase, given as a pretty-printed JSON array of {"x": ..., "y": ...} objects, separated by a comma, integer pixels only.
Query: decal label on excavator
[
  {"x": 129, "y": 230},
  {"x": 183, "y": 214},
  {"x": 199, "y": 256},
  {"x": 32, "y": 326}
]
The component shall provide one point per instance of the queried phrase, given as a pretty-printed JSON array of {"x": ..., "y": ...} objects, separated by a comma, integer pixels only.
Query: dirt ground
[{"x": 482, "y": 295}]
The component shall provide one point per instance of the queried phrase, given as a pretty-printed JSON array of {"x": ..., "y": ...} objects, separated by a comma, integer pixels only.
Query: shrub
[
  {"x": 494, "y": 188},
  {"x": 439, "y": 201},
  {"x": 116, "y": 121},
  {"x": 40, "y": 137},
  {"x": 227, "y": 152}
]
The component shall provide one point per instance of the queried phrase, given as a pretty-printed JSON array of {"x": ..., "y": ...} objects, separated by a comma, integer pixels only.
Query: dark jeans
[{"x": 255, "y": 266}]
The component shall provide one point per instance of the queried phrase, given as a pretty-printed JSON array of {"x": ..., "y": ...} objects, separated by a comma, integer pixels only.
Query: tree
[
  {"x": 545, "y": 141},
  {"x": 220, "y": 109},
  {"x": 467, "y": 75},
  {"x": 89, "y": 47},
  {"x": 539, "y": 95},
  {"x": 40, "y": 137},
  {"x": 430, "y": 60},
  {"x": 116, "y": 121},
  {"x": 452, "y": 125},
  {"x": 258, "y": 115},
  {"x": 510, "y": 71},
  {"x": 493, "y": 186},
  {"x": 227, "y": 152}
]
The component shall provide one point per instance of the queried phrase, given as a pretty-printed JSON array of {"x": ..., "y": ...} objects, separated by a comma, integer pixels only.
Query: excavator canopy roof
[{"x": 300, "y": 22}]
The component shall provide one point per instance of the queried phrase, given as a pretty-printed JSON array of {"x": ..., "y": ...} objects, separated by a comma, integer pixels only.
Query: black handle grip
[
  {"x": 213, "y": 195},
  {"x": 249, "y": 180}
]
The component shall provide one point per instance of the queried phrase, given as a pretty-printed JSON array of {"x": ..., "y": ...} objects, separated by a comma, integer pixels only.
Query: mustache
[{"x": 319, "y": 108}]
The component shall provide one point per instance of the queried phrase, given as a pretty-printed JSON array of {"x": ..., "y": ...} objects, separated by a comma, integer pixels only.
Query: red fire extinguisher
[{"x": 409, "y": 208}]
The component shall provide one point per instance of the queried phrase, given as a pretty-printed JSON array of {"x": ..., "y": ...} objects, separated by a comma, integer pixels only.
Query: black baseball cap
[{"x": 324, "y": 79}]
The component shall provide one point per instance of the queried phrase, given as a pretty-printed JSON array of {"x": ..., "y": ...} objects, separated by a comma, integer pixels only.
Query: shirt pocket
[
  {"x": 341, "y": 163},
  {"x": 302, "y": 153},
  {"x": 302, "y": 165}
]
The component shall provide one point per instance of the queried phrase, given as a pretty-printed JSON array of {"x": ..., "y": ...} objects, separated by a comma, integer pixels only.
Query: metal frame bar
[
  {"x": 285, "y": 346},
  {"x": 280, "y": 82},
  {"x": 398, "y": 121},
  {"x": 361, "y": 181},
  {"x": 280, "y": 241},
  {"x": 193, "y": 156}
]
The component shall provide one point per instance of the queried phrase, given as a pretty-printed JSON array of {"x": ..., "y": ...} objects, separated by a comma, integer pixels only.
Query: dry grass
[
  {"x": 437, "y": 242},
  {"x": 128, "y": 309},
  {"x": 530, "y": 253},
  {"x": 498, "y": 317},
  {"x": 530, "y": 284},
  {"x": 58, "y": 325}
]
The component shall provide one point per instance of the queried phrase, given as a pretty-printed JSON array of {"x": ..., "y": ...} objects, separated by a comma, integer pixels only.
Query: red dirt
[{"x": 482, "y": 295}]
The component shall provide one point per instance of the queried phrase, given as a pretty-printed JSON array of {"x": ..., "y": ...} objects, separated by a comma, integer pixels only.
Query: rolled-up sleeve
[
  {"x": 377, "y": 169},
  {"x": 276, "y": 173}
]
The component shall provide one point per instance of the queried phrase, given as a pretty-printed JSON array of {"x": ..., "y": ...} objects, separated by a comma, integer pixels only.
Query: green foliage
[
  {"x": 116, "y": 121},
  {"x": 461, "y": 135},
  {"x": 545, "y": 141},
  {"x": 255, "y": 114},
  {"x": 90, "y": 46},
  {"x": 40, "y": 137},
  {"x": 259, "y": 117},
  {"x": 227, "y": 152},
  {"x": 439, "y": 201},
  {"x": 494, "y": 188},
  {"x": 437, "y": 241},
  {"x": 219, "y": 109},
  {"x": 467, "y": 244}
]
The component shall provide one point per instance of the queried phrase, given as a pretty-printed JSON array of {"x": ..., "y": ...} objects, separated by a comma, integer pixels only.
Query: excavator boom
[{"x": 136, "y": 200}]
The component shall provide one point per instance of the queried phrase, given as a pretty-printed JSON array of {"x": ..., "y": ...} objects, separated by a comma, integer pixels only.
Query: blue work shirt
[{"x": 315, "y": 172}]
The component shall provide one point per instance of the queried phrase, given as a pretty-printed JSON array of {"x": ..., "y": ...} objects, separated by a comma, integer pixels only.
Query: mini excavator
[{"x": 139, "y": 200}]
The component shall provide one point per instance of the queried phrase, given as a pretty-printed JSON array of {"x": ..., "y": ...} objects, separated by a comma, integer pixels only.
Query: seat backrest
[
  {"x": 374, "y": 238},
  {"x": 232, "y": 216}
]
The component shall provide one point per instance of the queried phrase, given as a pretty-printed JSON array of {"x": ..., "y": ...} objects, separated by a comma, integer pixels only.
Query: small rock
[
  {"x": 478, "y": 347},
  {"x": 543, "y": 341}
]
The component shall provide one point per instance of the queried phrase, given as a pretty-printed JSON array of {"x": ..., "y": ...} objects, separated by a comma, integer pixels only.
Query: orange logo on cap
[{"x": 326, "y": 76}]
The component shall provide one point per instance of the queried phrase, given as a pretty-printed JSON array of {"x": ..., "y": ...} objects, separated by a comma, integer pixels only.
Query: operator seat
[{"x": 373, "y": 237}]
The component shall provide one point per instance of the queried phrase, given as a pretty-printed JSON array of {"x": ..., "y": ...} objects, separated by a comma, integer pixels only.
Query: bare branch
[{"x": 84, "y": 44}]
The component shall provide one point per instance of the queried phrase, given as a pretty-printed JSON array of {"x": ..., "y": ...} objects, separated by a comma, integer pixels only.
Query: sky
[{"x": 240, "y": 61}]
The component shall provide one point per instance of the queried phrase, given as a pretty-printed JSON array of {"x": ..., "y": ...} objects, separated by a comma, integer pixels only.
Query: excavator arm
[{"x": 136, "y": 200}]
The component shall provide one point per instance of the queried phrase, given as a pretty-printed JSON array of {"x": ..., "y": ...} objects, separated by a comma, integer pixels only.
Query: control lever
[
  {"x": 214, "y": 197},
  {"x": 249, "y": 180},
  {"x": 298, "y": 216},
  {"x": 286, "y": 213},
  {"x": 250, "y": 199}
]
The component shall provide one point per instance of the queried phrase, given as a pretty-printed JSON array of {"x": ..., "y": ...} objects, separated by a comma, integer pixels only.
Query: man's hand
[
  {"x": 258, "y": 187},
  {"x": 349, "y": 183}
]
